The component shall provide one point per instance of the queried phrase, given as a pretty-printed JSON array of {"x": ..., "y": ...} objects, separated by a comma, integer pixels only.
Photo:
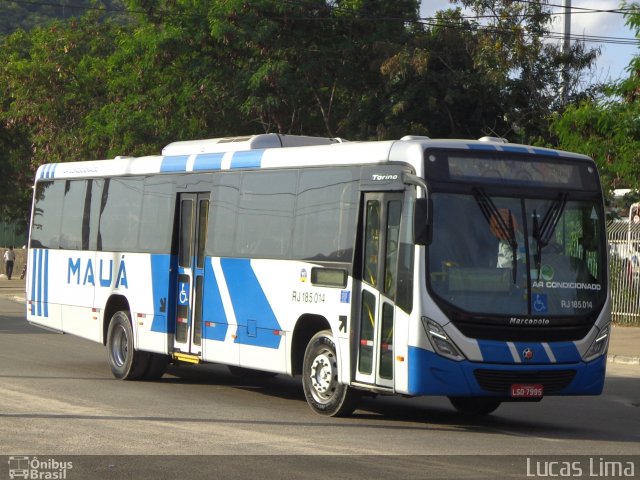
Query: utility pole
[
  {"x": 567, "y": 26},
  {"x": 566, "y": 48}
]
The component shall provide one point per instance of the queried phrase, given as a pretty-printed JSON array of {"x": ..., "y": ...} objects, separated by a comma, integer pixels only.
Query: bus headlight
[
  {"x": 440, "y": 341},
  {"x": 599, "y": 345}
]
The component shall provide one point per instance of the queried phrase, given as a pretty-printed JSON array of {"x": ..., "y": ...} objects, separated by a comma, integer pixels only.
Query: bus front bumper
[{"x": 432, "y": 374}]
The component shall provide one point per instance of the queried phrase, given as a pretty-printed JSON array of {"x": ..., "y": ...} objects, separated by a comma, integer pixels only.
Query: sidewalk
[{"x": 624, "y": 346}]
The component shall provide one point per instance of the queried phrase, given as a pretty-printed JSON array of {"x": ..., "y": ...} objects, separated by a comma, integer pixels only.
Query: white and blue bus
[{"x": 475, "y": 270}]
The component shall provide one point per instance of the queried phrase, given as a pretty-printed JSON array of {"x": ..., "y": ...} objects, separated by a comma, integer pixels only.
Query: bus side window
[
  {"x": 394, "y": 208},
  {"x": 372, "y": 239},
  {"x": 47, "y": 214}
]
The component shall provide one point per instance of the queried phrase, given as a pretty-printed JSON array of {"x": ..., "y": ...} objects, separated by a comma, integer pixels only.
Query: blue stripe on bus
[
  {"x": 539, "y": 353},
  {"x": 48, "y": 171},
  {"x": 34, "y": 271},
  {"x": 213, "y": 315},
  {"x": 482, "y": 146},
  {"x": 499, "y": 352},
  {"x": 565, "y": 352},
  {"x": 541, "y": 151},
  {"x": 495, "y": 352},
  {"x": 39, "y": 286},
  {"x": 248, "y": 159},
  {"x": 45, "y": 296},
  {"x": 39, "y": 296},
  {"x": 250, "y": 305},
  {"x": 512, "y": 149},
  {"x": 431, "y": 374},
  {"x": 174, "y": 163},
  {"x": 160, "y": 268},
  {"x": 208, "y": 161}
]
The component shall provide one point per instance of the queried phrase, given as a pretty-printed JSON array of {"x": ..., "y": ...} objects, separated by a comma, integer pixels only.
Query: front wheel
[
  {"x": 476, "y": 406},
  {"x": 126, "y": 363},
  {"x": 325, "y": 395}
]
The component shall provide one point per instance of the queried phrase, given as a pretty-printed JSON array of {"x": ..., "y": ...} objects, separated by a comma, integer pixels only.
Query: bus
[{"x": 471, "y": 269}]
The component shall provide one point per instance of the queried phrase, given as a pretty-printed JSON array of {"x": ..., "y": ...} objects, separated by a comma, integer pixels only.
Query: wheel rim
[
  {"x": 323, "y": 376},
  {"x": 119, "y": 346}
]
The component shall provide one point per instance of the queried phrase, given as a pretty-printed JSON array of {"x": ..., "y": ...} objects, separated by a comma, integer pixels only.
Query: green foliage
[
  {"x": 434, "y": 84},
  {"x": 169, "y": 70},
  {"x": 15, "y": 194},
  {"x": 608, "y": 130},
  {"x": 534, "y": 78},
  {"x": 28, "y": 15},
  {"x": 309, "y": 67},
  {"x": 52, "y": 78},
  {"x": 607, "y": 127}
]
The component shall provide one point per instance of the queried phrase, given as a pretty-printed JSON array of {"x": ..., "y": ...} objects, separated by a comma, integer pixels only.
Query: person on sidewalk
[{"x": 9, "y": 259}]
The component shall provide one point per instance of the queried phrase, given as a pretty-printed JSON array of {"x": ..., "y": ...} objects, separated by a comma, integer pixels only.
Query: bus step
[{"x": 185, "y": 357}]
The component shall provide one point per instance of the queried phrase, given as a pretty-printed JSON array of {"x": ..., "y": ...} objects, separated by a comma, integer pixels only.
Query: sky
[{"x": 614, "y": 58}]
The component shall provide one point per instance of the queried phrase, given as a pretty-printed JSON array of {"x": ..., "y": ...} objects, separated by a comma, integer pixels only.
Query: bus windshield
[{"x": 530, "y": 257}]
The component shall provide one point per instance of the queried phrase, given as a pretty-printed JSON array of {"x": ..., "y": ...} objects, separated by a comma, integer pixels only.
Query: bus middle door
[
  {"x": 377, "y": 296},
  {"x": 193, "y": 215}
]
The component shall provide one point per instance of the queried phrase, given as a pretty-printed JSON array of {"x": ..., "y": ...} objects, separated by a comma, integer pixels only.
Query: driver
[{"x": 507, "y": 230}]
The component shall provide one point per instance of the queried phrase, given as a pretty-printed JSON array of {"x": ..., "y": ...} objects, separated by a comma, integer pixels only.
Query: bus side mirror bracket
[{"x": 421, "y": 227}]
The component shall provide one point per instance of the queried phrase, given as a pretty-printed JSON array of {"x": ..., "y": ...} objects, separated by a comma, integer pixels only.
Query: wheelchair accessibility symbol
[
  {"x": 183, "y": 295},
  {"x": 540, "y": 303}
]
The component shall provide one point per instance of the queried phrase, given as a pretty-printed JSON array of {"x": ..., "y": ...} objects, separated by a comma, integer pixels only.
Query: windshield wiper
[
  {"x": 543, "y": 231},
  {"x": 505, "y": 230}
]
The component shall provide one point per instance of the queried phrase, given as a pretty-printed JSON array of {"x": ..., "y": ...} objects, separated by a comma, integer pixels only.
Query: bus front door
[
  {"x": 193, "y": 215},
  {"x": 381, "y": 229}
]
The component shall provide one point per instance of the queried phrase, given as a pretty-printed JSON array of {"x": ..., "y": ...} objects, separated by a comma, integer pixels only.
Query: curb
[{"x": 623, "y": 360}]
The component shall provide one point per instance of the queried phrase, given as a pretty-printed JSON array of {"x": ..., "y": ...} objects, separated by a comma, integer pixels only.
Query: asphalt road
[{"x": 58, "y": 400}]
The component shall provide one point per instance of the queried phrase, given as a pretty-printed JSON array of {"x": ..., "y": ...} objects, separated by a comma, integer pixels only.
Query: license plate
[{"x": 521, "y": 390}]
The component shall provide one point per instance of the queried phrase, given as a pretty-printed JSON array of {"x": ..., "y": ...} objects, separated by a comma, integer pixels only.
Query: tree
[
  {"x": 491, "y": 74},
  {"x": 14, "y": 179},
  {"x": 434, "y": 85},
  {"x": 28, "y": 15},
  {"x": 168, "y": 80},
  {"x": 310, "y": 67},
  {"x": 182, "y": 69},
  {"x": 50, "y": 78},
  {"x": 607, "y": 127}
]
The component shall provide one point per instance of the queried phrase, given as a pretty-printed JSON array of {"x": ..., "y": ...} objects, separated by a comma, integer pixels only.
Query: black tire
[
  {"x": 126, "y": 363},
  {"x": 242, "y": 372},
  {"x": 320, "y": 379},
  {"x": 475, "y": 406},
  {"x": 158, "y": 364}
]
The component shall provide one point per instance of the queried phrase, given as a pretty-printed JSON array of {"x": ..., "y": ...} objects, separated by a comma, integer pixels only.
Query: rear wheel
[
  {"x": 126, "y": 363},
  {"x": 325, "y": 395},
  {"x": 476, "y": 406}
]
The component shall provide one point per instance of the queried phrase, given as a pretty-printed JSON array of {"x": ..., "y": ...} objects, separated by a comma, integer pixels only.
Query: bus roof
[{"x": 273, "y": 150}]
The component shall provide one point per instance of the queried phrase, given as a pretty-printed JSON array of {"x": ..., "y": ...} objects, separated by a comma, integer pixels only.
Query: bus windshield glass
[{"x": 517, "y": 256}]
